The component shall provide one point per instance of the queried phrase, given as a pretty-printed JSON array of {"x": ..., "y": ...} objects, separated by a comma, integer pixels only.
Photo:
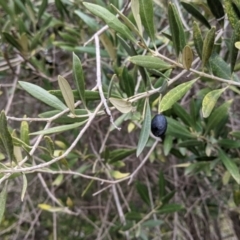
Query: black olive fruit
[{"x": 159, "y": 125}]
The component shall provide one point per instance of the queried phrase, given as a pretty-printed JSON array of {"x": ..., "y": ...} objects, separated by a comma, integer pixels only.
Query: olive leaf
[
  {"x": 208, "y": 45},
  {"x": 146, "y": 14},
  {"x": 187, "y": 57},
  {"x": 210, "y": 100},
  {"x": 145, "y": 131},
  {"x": 230, "y": 165},
  {"x": 176, "y": 27},
  {"x": 174, "y": 95},
  {"x": 121, "y": 105},
  {"x": 150, "y": 62},
  {"x": 111, "y": 20},
  {"x": 42, "y": 95},
  {"x": 66, "y": 92}
]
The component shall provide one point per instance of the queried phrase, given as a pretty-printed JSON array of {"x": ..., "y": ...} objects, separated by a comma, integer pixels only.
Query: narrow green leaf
[
  {"x": 89, "y": 21},
  {"x": 176, "y": 129},
  {"x": 128, "y": 23},
  {"x": 3, "y": 198},
  {"x": 170, "y": 208},
  {"x": 143, "y": 192},
  {"x": 111, "y": 20},
  {"x": 233, "y": 50},
  {"x": 78, "y": 77},
  {"x": 7, "y": 9},
  {"x": 208, "y": 45},
  {"x": 210, "y": 100},
  {"x": 174, "y": 95},
  {"x": 146, "y": 14},
  {"x": 167, "y": 144},
  {"x": 49, "y": 144},
  {"x": 217, "y": 115},
  {"x": 183, "y": 115},
  {"x": 120, "y": 154},
  {"x": 231, "y": 13},
  {"x": 59, "y": 128},
  {"x": 161, "y": 185},
  {"x": 228, "y": 143},
  {"x": 145, "y": 131},
  {"x": 12, "y": 41},
  {"x": 24, "y": 187},
  {"x": 24, "y": 132},
  {"x": 121, "y": 105},
  {"x": 187, "y": 57},
  {"x": 230, "y": 166},
  {"x": 150, "y": 62},
  {"x": 176, "y": 27},
  {"x": 42, "y": 95},
  {"x": 195, "y": 13},
  {"x": 22, "y": 7},
  {"x": 217, "y": 10},
  {"x": 6, "y": 136},
  {"x": 197, "y": 39},
  {"x": 136, "y": 14},
  {"x": 66, "y": 92},
  {"x": 219, "y": 67},
  {"x": 42, "y": 8}
]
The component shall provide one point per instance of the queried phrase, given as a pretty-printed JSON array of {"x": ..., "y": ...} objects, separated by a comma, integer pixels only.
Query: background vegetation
[{"x": 80, "y": 83}]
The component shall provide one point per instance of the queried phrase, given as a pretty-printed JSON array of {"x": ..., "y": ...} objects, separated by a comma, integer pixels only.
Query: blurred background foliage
[{"x": 188, "y": 187}]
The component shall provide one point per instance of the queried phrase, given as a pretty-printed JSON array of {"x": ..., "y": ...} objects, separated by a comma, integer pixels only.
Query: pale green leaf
[
  {"x": 174, "y": 95},
  {"x": 150, "y": 62},
  {"x": 136, "y": 14},
  {"x": 121, "y": 105},
  {"x": 42, "y": 95},
  {"x": 210, "y": 100},
  {"x": 66, "y": 92},
  {"x": 111, "y": 20},
  {"x": 24, "y": 187},
  {"x": 59, "y": 128},
  {"x": 145, "y": 131},
  {"x": 118, "y": 175}
]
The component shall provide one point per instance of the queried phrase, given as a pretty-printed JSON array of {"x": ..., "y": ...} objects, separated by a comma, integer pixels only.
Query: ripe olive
[{"x": 159, "y": 125}]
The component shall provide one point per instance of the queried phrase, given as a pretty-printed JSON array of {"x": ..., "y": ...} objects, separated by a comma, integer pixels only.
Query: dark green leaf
[
  {"x": 79, "y": 77},
  {"x": 120, "y": 154},
  {"x": 230, "y": 166},
  {"x": 195, "y": 13},
  {"x": 42, "y": 8},
  {"x": 6, "y": 137},
  {"x": 228, "y": 143},
  {"x": 143, "y": 192},
  {"x": 217, "y": 115},
  {"x": 217, "y": 10},
  {"x": 161, "y": 185},
  {"x": 219, "y": 67},
  {"x": 170, "y": 208},
  {"x": 176, "y": 27}
]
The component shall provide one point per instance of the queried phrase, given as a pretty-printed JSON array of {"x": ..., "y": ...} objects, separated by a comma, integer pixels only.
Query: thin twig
[{"x": 99, "y": 82}]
